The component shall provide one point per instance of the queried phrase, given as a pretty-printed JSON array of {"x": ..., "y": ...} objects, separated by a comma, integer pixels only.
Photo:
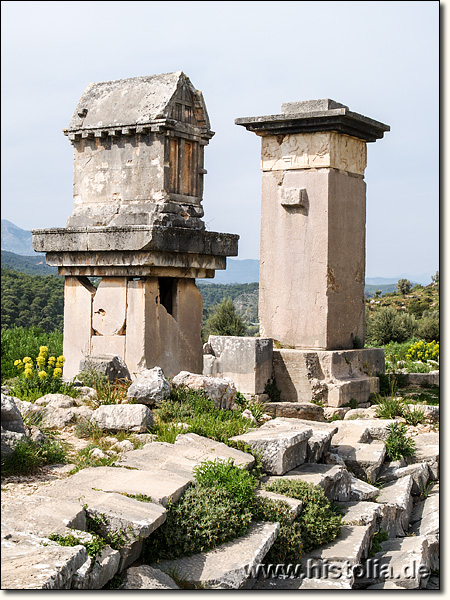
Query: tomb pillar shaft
[{"x": 313, "y": 218}]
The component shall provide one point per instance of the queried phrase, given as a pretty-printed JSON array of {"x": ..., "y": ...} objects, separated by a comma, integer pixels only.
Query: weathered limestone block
[
  {"x": 419, "y": 472},
  {"x": 419, "y": 379},
  {"x": 123, "y": 417},
  {"x": 95, "y": 573},
  {"x": 351, "y": 544},
  {"x": 229, "y": 566},
  {"x": 425, "y": 516},
  {"x": 150, "y": 387},
  {"x": 113, "y": 366},
  {"x": 295, "y": 410},
  {"x": 221, "y": 391},
  {"x": 364, "y": 460},
  {"x": 427, "y": 450},
  {"x": 398, "y": 494},
  {"x": 329, "y": 377},
  {"x": 247, "y": 361},
  {"x": 335, "y": 480},
  {"x": 361, "y": 490},
  {"x": 281, "y": 449},
  {"x": 12, "y": 428},
  {"x": 28, "y": 564},
  {"x": 431, "y": 412},
  {"x": 145, "y": 577},
  {"x": 362, "y": 513}
]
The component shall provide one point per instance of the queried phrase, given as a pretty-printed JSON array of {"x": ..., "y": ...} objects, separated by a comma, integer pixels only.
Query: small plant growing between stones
[
  {"x": 93, "y": 546},
  {"x": 28, "y": 456},
  {"x": 398, "y": 444},
  {"x": 378, "y": 538},
  {"x": 97, "y": 522},
  {"x": 239, "y": 483},
  {"x": 353, "y": 403},
  {"x": 414, "y": 416},
  {"x": 389, "y": 408}
]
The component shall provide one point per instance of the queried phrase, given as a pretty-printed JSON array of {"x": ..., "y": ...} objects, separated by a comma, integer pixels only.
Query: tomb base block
[{"x": 331, "y": 377}]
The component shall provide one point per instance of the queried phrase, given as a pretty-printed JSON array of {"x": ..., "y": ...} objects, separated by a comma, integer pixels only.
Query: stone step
[
  {"x": 350, "y": 546},
  {"x": 363, "y": 459},
  {"x": 30, "y": 562},
  {"x": 362, "y": 513},
  {"x": 397, "y": 495},
  {"x": 282, "y": 449},
  {"x": 229, "y": 566},
  {"x": 295, "y": 506},
  {"x": 334, "y": 480},
  {"x": 425, "y": 515},
  {"x": 427, "y": 451},
  {"x": 404, "y": 561},
  {"x": 318, "y": 443},
  {"x": 360, "y": 431},
  {"x": 96, "y": 572},
  {"x": 182, "y": 457},
  {"x": 420, "y": 473},
  {"x": 362, "y": 491}
]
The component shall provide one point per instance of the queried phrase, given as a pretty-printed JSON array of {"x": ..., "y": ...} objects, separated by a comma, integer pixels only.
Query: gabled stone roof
[{"x": 110, "y": 107}]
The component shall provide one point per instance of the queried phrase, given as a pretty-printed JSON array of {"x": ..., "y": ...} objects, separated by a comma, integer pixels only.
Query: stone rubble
[{"x": 151, "y": 387}]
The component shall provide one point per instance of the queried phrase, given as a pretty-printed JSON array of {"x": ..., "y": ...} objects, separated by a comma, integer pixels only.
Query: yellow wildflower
[
  {"x": 43, "y": 350},
  {"x": 27, "y": 359},
  {"x": 40, "y": 361},
  {"x": 28, "y": 373},
  {"x": 42, "y": 374},
  {"x": 57, "y": 373},
  {"x": 51, "y": 361}
]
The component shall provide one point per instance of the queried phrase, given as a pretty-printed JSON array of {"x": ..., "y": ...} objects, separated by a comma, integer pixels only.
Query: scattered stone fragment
[
  {"x": 351, "y": 544},
  {"x": 230, "y": 565},
  {"x": 362, "y": 513},
  {"x": 151, "y": 387},
  {"x": 419, "y": 473},
  {"x": 360, "y": 413},
  {"x": 12, "y": 427},
  {"x": 56, "y": 401},
  {"x": 330, "y": 412},
  {"x": 145, "y": 577},
  {"x": 364, "y": 460},
  {"x": 427, "y": 450},
  {"x": 222, "y": 391},
  {"x": 425, "y": 516},
  {"x": 111, "y": 365},
  {"x": 123, "y": 417},
  {"x": 95, "y": 572},
  {"x": 296, "y": 410},
  {"x": 361, "y": 490}
]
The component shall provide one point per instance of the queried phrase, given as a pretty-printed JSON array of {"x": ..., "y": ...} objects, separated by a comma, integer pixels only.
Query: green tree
[
  {"x": 404, "y": 286},
  {"x": 225, "y": 320}
]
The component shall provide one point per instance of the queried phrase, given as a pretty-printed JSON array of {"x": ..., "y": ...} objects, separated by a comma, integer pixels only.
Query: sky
[{"x": 381, "y": 59}]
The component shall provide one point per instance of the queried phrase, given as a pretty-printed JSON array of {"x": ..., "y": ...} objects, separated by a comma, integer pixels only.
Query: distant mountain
[
  {"x": 15, "y": 239},
  {"x": 32, "y": 265}
]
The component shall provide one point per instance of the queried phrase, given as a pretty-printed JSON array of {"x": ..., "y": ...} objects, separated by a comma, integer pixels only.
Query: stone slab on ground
[
  {"x": 403, "y": 557},
  {"x": 183, "y": 456},
  {"x": 361, "y": 430},
  {"x": 352, "y": 544},
  {"x": 334, "y": 480},
  {"x": 419, "y": 472},
  {"x": 281, "y": 449},
  {"x": 398, "y": 495},
  {"x": 160, "y": 486},
  {"x": 40, "y": 515},
  {"x": 425, "y": 516},
  {"x": 362, "y": 513},
  {"x": 427, "y": 450},
  {"x": 361, "y": 490},
  {"x": 28, "y": 564},
  {"x": 364, "y": 460},
  {"x": 318, "y": 443},
  {"x": 295, "y": 410},
  {"x": 230, "y": 565},
  {"x": 145, "y": 577},
  {"x": 295, "y": 506}
]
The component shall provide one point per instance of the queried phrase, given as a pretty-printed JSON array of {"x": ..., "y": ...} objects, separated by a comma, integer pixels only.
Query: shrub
[
  {"x": 414, "y": 416},
  {"x": 388, "y": 325},
  {"x": 320, "y": 522},
  {"x": 239, "y": 483},
  {"x": 288, "y": 546},
  {"x": 204, "y": 518},
  {"x": 422, "y": 351},
  {"x": 29, "y": 456},
  {"x": 389, "y": 408},
  {"x": 398, "y": 444},
  {"x": 225, "y": 320},
  {"x": 19, "y": 341},
  {"x": 40, "y": 376}
]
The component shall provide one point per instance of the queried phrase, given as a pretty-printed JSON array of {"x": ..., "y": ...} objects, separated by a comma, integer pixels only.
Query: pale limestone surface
[
  {"x": 247, "y": 361},
  {"x": 228, "y": 566},
  {"x": 397, "y": 494},
  {"x": 123, "y": 417},
  {"x": 351, "y": 544},
  {"x": 312, "y": 151},
  {"x": 145, "y": 577},
  {"x": 221, "y": 390},
  {"x": 150, "y": 387},
  {"x": 281, "y": 449},
  {"x": 361, "y": 490}
]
